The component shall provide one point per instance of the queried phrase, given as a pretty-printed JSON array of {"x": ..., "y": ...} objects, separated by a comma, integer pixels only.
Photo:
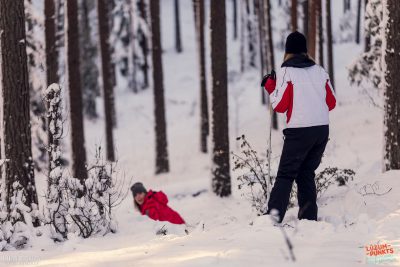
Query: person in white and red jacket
[{"x": 302, "y": 90}]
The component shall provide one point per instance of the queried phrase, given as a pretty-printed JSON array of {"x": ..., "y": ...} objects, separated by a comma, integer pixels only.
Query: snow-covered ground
[{"x": 233, "y": 234}]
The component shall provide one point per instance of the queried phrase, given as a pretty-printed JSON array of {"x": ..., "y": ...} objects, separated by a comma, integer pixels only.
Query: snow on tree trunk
[
  {"x": 251, "y": 35},
  {"x": 143, "y": 35},
  {"x": 75, "y": 92},
  {"x": 198, "y": 7},
  {"x": 16, "y": 129},
  {"x": 391, "y": 83},
  {"x": 221, "y": 178},
  {"x": 57, "y": 202},
  {"x": 108, "y": 90},
  {"x": 162, "y": 162}
]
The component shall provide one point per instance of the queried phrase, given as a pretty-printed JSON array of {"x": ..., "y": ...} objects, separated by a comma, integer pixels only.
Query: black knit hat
[
  {"x": 296, "y": 43},
  {"x": 138, "y": 188}
]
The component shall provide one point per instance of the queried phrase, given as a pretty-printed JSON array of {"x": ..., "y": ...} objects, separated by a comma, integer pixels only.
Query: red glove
[{"x": 269, "y": 82}]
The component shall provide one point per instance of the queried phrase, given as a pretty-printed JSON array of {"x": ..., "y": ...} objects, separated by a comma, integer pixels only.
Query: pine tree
[
  {"x": 221, "y": 178},
  {"x": 89, "y": 69},
  {"x": 198, "y": 7},
  {"x": 51, "y": 60},
  {"x": 329, "y": 42},
  {"x": 178, "y": 39},
  {"x": 312, "y": 27},
  {"x": 294, "y": 15},
  {"x": 108, "y": 90},
  {"x": 392, "y": 85},
  {"x": 16, "y": 129},
  {"x": 320, "y": 33},
  {"x": 75, "y": 92},
  {"x": 235, "y": 19},
  {"x": 270, "y": 53},
  {"x": 162, "y": 162},
  {"x": 143, "y": 42},
  {"x": 358, "y": 22},
  {"x": 251, "y": 35}
]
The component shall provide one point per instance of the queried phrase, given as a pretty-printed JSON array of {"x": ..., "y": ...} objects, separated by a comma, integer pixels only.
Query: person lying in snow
[
  {"x": 154, "y": 205},
  {"x": 303, "y": 90}
]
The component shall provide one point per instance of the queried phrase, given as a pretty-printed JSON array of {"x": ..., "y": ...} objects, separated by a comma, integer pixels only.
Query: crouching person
[{"x": 154, "y": 205}]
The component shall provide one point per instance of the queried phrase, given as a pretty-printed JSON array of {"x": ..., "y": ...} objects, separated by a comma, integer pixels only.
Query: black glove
[{"x": 272, "y": 75}]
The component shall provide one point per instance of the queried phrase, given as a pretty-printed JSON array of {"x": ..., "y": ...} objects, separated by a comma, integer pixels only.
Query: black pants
[{"x": 301, "y": 156}]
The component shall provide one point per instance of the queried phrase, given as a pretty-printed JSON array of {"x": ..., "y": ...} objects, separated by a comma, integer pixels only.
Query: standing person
[{"x": 303, "y": 90}]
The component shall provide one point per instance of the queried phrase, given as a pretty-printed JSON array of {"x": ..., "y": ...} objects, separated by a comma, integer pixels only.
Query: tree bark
[
  {"x": 235, "y": 20},
  {"x": 199, "y": 25},
  {"x": 263, "y": 40},
  {"x": 367, "y": 46},
  {"x": 312, "y": 27},
  {"x": 294, "y": 15},
  {"x": 15, "y": 117},
  {"x": 305, "y": 18},
  {"x": 320, "y": 34},
  {"x": 162, "y": 162},
  {"x": 89, "y": 69},
  {"x": 178, "y": 39},
  {"x": 75, "y": 93},
  {"x": 392, "y": 85},
  {"x": 329, "y": 42},
  {"x": 51, "y": 60},
  {"x": 271, "y": 55},
  {"x": 143, "y": 43},
  {"x": 358, "y": 22},
  {"x": 108, "y": 90},
  {"x": 221, "y": 178}
]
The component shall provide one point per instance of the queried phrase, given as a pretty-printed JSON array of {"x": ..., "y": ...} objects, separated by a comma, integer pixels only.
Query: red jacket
[{"x": 155, "y": 206}]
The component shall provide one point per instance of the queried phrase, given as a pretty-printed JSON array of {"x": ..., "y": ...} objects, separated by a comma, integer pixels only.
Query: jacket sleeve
[
  {"x": 161, "y": 197},
  {"x": 152, "y": 212},
  {"x": 330, "y": 98},
  {"x": 281, "y": 97}
]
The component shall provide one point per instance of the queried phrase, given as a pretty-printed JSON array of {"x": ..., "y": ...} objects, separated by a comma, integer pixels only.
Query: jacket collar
[{"x": 299, "y": 61}]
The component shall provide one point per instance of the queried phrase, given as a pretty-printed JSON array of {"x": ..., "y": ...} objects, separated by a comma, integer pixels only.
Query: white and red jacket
[{"x": 303, "y": 90}]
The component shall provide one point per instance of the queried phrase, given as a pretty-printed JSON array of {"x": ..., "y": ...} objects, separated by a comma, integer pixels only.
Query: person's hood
[{"x": 299, "y": 61}]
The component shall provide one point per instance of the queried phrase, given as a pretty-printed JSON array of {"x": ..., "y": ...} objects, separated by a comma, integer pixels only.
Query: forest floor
[{"x": 233, "y": 234}]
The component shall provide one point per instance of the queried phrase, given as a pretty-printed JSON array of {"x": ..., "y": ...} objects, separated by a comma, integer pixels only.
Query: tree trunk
[
  {"x": 329, "y": 42},
  {"x": 242, "y": 37},
  {"x": 221, "y": 178},
  {"x": 367, "y": 46},
  {"x": 108, "y": 90},
  {"x": 51, "y": 59},
  {"x": 162, "y": 162},
  {"x": 271, "y": 59},
  {"x": 312, "y": 27},
  {"x": 294, "y": 15},
  {"x": 89, "y": 70},
  {"x": 305, "y": 18},
  {"x": 143, "y": 43},
  {"x": 199, "y": 24},
  {"x": 320, "y": 34},
  {"x": 178, "y": 39},
  {"x": 250, "y": 36},
  {"x": 15, "y": 117},
  {"x": 75, "y": 93},
  {"x": 235, "y": 20},
  {"x": 358, "y": 22},
  {"x": 392, "y": 85},
  {"x": 263, "y": 40}
]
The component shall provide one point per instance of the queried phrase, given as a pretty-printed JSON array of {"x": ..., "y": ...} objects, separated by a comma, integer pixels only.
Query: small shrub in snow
[
  {"x": 255, "y": 177},
  {"x": 14, "y": 230}
]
